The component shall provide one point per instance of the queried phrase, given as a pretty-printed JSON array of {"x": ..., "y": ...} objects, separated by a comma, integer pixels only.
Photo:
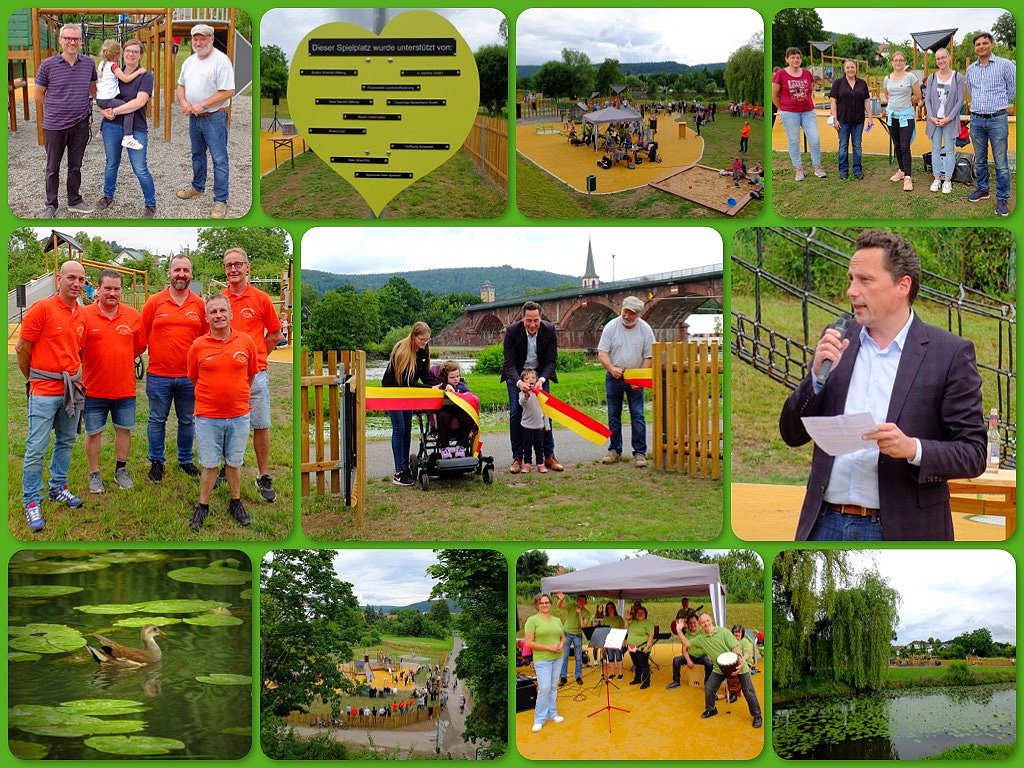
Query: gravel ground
[{"x": 170, "y": 162}]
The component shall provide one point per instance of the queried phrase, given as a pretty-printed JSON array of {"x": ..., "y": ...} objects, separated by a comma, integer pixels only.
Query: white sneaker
[
  {"x": 799, "y": 175},
  {"x": 558, "y": 719},
  {"x": 537, "y": 727},
  {"x": 130, "y": 142},
  {"x": 935, "y": 186},
  {"x": 947, "y": 187}
]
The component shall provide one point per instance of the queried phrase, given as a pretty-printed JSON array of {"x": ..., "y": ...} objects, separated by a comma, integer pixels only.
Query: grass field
[
  {"x": 150, "y": 511},
  {"x": 540, "y": 195},
  {"x": 875, "y": 198}
]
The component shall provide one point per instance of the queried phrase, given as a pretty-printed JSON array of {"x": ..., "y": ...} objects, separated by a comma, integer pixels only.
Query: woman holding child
[{"x": 135, "y": 95}]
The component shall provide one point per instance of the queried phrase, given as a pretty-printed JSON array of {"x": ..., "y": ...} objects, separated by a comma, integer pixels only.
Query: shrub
[
  {"x": 571, "y": 361},
  {"x": 958, "y": 674},
  {"x": 490, "y": 360}
]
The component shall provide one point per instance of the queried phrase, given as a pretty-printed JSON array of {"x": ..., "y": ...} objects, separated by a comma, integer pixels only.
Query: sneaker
[
  {"x": 96, "y": 483},
  {"x": 542, "y": 469},
  {"x": 844, "y": 176},
  {"x": 34, "y": 517},
  {"x": 199, "y": 515},
  {"x": 859, "y": 176},
  {"x": 898, "y": 176},
  {"x": 562, "y": 681},
  {"x": 947, "y": 187},
  {"x": 48, "y": 212},
  {"x": 618, "y": 677},
  {"x": 558, "y": 719},
  {"x": 758, "y": 722},
  {"x": 820, "y": 172},
  {"x": 460, "y": 452},
  {"x": 103, "y": 203},
  {"x": 639, "y": 460},
  {"x": 64, "y": 496},
  {"x": 446, "y": 453},
  {"x": 611, "y": 458},
  {"x": 131, "y": 142},
  {"x": 237, "y": 510},
  {"x": 123, "y": 479},
  {"x": 527, "y": 468},
  {"x": 1002, "y": 207},
  {"x": 936, "y": 186},
  {"x": 908, "y": 184},
  {"x": 150, "y": 212},
  {"x": 265, "y": 488},
  {"x": 156, "y": 471},
  {"x": 673, "y": 684},
  {"x": 579, "y": 681},
  {"x": 978, "y": 195},
  {"x": 80, "y": 208},
  {"x": 537, "y": 727},
  {"x": 190, "y": 469},
  {"x": 799, "y": 175},
  {"x": 219, "y": 210},
  {"x": 402, "y": 478},
  {"x": 188, "y": 193}
]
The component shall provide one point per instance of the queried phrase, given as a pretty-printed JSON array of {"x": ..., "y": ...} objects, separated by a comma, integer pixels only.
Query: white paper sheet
[{"x": 836, "y": 435}]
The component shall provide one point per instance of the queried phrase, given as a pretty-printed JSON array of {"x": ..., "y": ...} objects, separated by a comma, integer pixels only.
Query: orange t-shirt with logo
[
  {"x": 109, "y": 350},
  {"x": 171, "y": 330},
  {"x": 253, "y": 312},
  {"x": 56, "y": 332},
  {"x": 222, "y": 372}
]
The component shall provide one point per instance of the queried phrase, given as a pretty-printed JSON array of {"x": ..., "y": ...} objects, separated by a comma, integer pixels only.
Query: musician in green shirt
[
  {"x": 573, "y": 621},
  {"x": 714, "y": 642},
  {"x": 639, "y": 640}
]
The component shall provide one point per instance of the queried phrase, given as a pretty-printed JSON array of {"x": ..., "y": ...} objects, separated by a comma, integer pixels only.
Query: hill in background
[
  {"x": 636, "y": 68},
  {"x": 508, "y": 281}
]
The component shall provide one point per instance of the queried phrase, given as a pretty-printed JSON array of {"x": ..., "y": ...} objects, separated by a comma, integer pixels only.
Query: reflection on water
[
  {"x": 902, "y": 726},
  {"x": 179, "y": 707}
]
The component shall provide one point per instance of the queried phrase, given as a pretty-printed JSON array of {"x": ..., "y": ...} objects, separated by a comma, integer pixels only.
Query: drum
[{"x": 729, "y": 663}]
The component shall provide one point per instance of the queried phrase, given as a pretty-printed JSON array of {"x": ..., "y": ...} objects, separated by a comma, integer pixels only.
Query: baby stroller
[{"x": 446, "y": 445}]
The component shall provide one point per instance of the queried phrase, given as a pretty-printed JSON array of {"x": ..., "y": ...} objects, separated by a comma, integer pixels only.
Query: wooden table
[{"x": 1000, "y": 496}]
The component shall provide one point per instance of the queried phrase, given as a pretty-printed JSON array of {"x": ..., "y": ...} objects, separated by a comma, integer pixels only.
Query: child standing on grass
[
  {"x": 110, "y": 76},
  {"x": 737, "y": 171},
  {"x": 533, "y": 423}
]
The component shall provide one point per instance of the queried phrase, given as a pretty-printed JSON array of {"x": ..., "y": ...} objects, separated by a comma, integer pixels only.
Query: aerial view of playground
[
  {"x": 870, "y": 131},
  {"x": 660, "y": 116},
  {"x": 119, "y": 179},
  {"x": 393, "y": 133},
  {"x": 788, "y": 286}
]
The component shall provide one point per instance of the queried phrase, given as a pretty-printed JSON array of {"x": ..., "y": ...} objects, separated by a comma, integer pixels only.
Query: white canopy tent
[
  {"x": 647, "y": 576},
  {"x": 612, "y": 115}
]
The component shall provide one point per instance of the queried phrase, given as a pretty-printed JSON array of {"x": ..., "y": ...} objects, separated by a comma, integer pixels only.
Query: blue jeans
[
  {"x": 515, "y": 428},
  {"x": 210, "y": 133},
  {"x": 793, "y": 122},
  {"x": 576, "y": 642},
  {"x": 547, "y": 691},
  {"x": 46, "y": 412},
  {"x": 833, "y": 526},
  {"x": 112, "y": 149},
  {"x": 401, "y": 438},
  {"x": 162, "y": 391},
  {"x": 121, "y": 411},
  {"x": 221, "y": 441},
  {"x": 848, "y": 131},
  {"x": 944, "y": 150},
  {"x": 614, "y": 389},
  {"x": 994, "y": 131}
]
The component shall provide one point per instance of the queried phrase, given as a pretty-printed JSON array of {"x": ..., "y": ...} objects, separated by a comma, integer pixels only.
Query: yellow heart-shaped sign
[{"x": 384, "y": 110}]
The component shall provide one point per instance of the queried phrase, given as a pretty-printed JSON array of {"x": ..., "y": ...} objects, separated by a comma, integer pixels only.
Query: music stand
[{"x": 606, "y": 637}]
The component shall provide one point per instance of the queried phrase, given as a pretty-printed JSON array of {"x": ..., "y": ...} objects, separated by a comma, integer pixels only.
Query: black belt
[
  {"x": 853, "y": 510},
  {"x": 207, "y": 114},
  {"x": 1000, "y": 113}
]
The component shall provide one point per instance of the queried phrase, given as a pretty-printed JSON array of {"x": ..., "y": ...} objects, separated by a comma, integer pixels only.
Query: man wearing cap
[
  {"x": 48, "y": 350},
  {"x": 64, "y": 85},
  {"x": 626, "y": 342},
  {"x": 205, "y": 88}
]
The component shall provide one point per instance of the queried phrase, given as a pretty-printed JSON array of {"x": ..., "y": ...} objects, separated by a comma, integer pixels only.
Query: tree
[
  {"x": 581, "y": 73},
  {"x": 492, "y": 63},
  {"x": 271, "y": 57},
  {"x": 343, "y": 319},
  {"x": 25, "y": 259},
  {"x": 742, "y": 572},
  {"x": 269, "y": 249},
  {"x": 478, "y": 580},
  {"x": 607, "y": 75},
  {"x": 1005, "y": 30},
  {"x": 273, "y": 82},
  {"x": 744, "y": 75},
  {"x": 440, "y": 614},
  {"x": 850, "y": 46},
  {"x": 553, "y": 79},
  {"x": 400, "y": 303},
  {"x": 503, "y": 31},
  {"x": 533, "y": 565},
  {"x": 794, "y": 27},
  {"x": 858, "y": 633}
]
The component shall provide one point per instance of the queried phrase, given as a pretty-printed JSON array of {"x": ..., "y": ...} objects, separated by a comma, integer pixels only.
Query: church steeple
[{"x": 590, "y": 278}]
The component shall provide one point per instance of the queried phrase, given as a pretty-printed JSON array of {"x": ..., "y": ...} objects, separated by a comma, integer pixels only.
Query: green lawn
[
  {"x": 539, "y": 195},
  {"x": 150, "y": 511}
]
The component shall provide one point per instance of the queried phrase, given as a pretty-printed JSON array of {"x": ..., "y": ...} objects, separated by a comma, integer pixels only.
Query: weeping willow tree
[{"x": 860, "y": 630}]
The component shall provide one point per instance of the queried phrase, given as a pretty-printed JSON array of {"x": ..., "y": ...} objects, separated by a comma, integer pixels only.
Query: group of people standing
[{"x": 989, "y": 83}]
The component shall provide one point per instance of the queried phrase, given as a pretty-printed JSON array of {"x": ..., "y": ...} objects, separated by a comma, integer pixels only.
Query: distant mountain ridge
[
  {"x": 423, "y": 606},
  {"x": 508, "y": 281},
  {"x": 636, "y": 68}
]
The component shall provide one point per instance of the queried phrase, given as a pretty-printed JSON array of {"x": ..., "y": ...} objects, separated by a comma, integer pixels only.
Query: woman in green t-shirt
[
  {"x": 639, "y": 639},
  {"x": 543, "y": 634},
  {"x": 613, "y": 655}
]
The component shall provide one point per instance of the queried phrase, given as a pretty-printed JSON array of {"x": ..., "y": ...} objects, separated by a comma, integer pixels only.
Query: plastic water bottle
[{"x": 992, "y": 464}]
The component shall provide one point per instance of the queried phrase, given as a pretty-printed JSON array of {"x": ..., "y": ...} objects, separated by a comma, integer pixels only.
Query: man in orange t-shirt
[
  {"x": 48, "y": 350},
  {"x": 222, "y": 365},
  {"x": 113, "y": 339},
  {"x": 172, "y": 320},
  {"x": 253, "y": 312}
]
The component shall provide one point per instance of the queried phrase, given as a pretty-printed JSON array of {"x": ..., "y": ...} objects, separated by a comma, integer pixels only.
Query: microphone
[{"x": 842, "y": 324}]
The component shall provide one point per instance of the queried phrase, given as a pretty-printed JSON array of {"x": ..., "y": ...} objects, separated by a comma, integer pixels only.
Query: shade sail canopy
[
  {"x": 932, "y": 41},
  {"x": 822, "y": 45}
]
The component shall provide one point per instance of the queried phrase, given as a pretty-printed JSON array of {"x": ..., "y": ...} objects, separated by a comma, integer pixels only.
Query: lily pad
[
  {"x": 134, "y": 556},
  {"x": 212, "y": 575},
  {"x": 108, "y": 609},
  {"x": 214, "y": 620},
  {"x": 118, "y": 726},
  {"x": 246, "y": 594},
  {"x": 39, "y": 629},
  {"x": 43, "y": 590},
  {"x": 33, "y": 714},
  {"x": 47, "y": 638},
  {"x": 54, "y": 567},
  {"x": 15, "y": 656},
  {"x": 27, "y": 750},
  {"x": 237, "y": 730},
  {"x": 103, "y": 707},
  {"x": 179, "y": 606},
  {"x": 141, "y": 621},
  {"x": 133, "y": 745},
  {"x": 222, "y": 678}
]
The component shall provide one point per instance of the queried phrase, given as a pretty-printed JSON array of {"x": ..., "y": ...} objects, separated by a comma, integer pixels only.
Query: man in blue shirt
[{"x": 992, "y": 84}]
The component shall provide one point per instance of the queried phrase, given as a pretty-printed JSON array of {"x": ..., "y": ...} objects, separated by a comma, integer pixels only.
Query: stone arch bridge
[{"x": 580, "y": 314}]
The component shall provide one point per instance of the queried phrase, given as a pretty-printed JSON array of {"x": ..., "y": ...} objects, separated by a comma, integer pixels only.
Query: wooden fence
[
  {"x": 688, "y": 408},
  {"x": 333, "y": 426},
  {"x": 487, "y": 143}
]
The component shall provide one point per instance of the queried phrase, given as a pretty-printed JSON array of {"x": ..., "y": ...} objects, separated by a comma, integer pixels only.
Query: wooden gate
[
  {"x": 332, "y": 425},
  {"x": 688, "y": 408}
]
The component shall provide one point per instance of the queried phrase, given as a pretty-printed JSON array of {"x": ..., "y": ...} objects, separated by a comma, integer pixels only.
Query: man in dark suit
[
  {"x": 530, "y": 343},
  {"x": 920, "y": 383}
]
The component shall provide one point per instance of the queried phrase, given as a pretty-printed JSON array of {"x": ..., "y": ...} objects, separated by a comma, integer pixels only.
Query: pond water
[
  {"x": 907, "y": 725},
  {"x": 115, "y": 707}
]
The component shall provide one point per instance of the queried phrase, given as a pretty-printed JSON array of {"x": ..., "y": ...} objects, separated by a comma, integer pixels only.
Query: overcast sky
[
  {"x": 285, "y": 27},
  {"x": 687, "y": 36},
  {"x": 897, "y": 24},
  {"x": 386, "y": 577},
  {"x": 157, "y": 240},
  {"x": 948, "y": 592},
  {"x": 587, "y": 558}
]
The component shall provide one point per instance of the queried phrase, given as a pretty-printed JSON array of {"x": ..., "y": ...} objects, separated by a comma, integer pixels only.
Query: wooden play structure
[
  {"x": 59, "y": 247},
  {"x": 33, "y": 35}
]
